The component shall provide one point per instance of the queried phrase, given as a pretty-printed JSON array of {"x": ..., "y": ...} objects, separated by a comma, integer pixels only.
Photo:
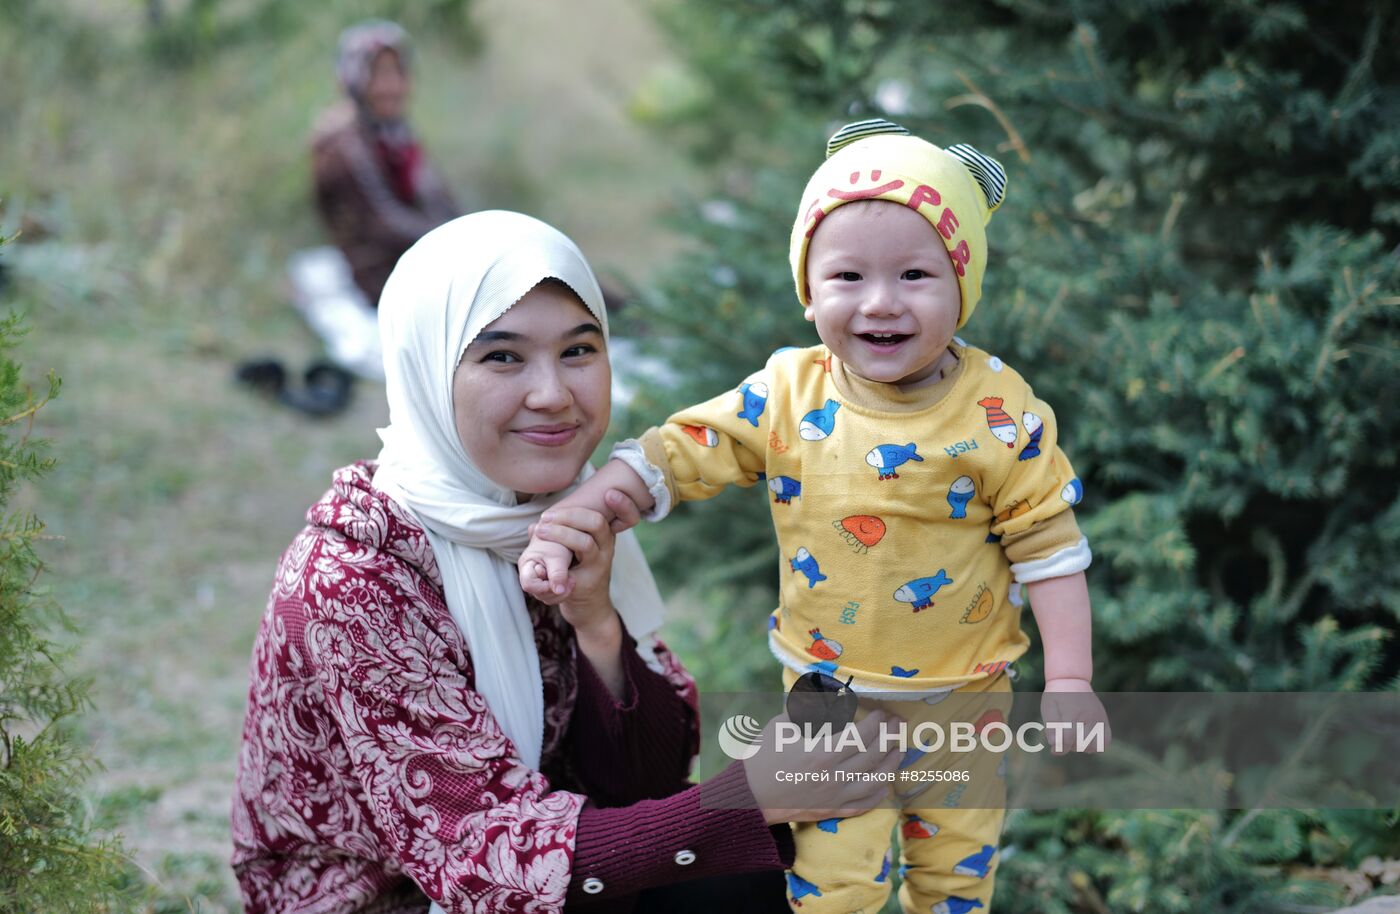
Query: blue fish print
[
  {"x": 1035, "y": 426},
  {"x": 976, "y": 864},
  {"x": 955, "y": 904},
  {"x": 920, "y": 591},
  {"x": 805, "y": 563},
  {"x": 887, "y": 458},
  {"x": 784, "y": 489},
  {"x": 959, "y": 494},
  {"x": 755, "y": 401},
  {"x": 911, "y": 755},
  {"x": 819, "y": 423},
  {"x": 800, "y": 888}
]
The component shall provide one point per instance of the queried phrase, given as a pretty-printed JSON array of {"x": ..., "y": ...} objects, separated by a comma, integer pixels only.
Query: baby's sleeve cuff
[
  {"x": 632, "y": 453},
  {"x": 1070, "y": 560}
]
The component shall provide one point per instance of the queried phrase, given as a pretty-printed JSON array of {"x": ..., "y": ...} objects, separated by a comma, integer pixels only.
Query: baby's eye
[
  {"x": 848, "y": 276},
  {"x": 913, "y": 274},
  {"x": 581, "y": 349},
  {"x": 505, "y": 358}
]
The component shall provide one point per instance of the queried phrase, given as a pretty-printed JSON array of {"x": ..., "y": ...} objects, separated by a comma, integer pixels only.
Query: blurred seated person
[{"x": 375, "y": 189}]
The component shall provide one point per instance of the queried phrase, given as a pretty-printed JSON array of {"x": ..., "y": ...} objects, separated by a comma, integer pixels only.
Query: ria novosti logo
[{"x": 739, "y": 737}]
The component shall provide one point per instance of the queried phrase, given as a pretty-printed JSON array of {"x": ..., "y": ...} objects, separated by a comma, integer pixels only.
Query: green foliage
[
  {"x": 1196, "y": 265},
  {"x": 50, "y": 858},
  {"x": 185, "y": 33}
]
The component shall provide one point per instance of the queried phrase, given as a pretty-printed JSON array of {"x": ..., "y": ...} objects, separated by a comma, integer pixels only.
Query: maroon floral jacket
[{"x": 372, "y": 773}]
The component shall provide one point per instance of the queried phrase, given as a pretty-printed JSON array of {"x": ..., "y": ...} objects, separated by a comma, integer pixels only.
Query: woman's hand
[
  {"x": 588, "y": 537},
  {"x": 544, "y": 565},
  {"x": 788, "y": 785}
]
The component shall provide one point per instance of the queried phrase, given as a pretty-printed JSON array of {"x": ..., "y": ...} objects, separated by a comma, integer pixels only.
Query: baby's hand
[
  {"x": 544, "y": 571},
  {"x": 1073, "y": 701}
]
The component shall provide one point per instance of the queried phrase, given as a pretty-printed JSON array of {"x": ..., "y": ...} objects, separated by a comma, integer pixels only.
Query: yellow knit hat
[{"x": 956, "y": 189}]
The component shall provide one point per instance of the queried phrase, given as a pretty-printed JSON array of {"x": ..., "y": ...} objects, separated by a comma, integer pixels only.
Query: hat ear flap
[
  {"x": 986, "y": 171},
  {"x": 859, "y": 130}
]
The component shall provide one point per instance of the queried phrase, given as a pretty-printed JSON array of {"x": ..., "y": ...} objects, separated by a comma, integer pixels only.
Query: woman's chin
[{"x": 541, "y": 476}]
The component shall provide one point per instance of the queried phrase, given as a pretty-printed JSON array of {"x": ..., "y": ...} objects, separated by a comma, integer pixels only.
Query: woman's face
[
  {"x": 387, "y": 92},
  {"x": 532, "y": 393}
]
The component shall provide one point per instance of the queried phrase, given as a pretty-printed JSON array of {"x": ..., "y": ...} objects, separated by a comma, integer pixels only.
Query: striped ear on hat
[
  {"x": 859, "y": 130},
  {"x": 986, "y": 171}
]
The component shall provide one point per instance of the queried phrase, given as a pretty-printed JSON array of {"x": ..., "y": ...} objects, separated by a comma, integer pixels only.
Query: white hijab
[{"x": 444, "y": 291}]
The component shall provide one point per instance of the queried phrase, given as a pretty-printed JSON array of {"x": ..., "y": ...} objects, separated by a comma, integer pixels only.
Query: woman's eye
[
  {"x": 848, "y": 276},
  {"x": 504, "y": 358},
  {"x": 580, "y": 349},
  {"x": 914, "y": 274}
]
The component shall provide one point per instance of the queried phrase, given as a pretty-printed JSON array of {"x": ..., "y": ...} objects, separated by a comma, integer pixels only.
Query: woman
[
  {"x": 375, "y": 189},
  {"x": 416, "y": 728}
]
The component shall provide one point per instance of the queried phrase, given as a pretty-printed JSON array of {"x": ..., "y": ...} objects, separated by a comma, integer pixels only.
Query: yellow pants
[{"x": 949, "y": 808}]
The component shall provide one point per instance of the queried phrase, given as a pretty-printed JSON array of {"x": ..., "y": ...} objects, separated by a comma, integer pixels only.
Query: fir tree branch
[
  {"x": 28, "y": 413},
  {"x": 1305, "y": 743},
  {"x": 977, "y": 97},
  {"x": 1328, "y": 345}
]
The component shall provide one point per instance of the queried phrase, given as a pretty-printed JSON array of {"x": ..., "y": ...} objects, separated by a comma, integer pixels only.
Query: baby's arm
[
  {"x": 544, "y": 565},
  {"x": 1061, "y": 608}
]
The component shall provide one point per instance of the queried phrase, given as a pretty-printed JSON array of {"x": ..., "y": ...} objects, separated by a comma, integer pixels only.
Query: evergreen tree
[
  {"x": 1196, "y": 264},
  {"x": 50, "y": 858}
]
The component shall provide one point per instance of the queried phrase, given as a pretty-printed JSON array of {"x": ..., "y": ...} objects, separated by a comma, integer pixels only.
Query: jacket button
[
  {"x": 592, "y": 885},
  {"x": 685, "y": 858}
]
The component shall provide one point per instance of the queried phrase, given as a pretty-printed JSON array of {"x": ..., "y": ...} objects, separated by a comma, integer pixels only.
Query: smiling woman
[
  {"x": 544, "y": 362},
  {"x": 418, "y": 731}
]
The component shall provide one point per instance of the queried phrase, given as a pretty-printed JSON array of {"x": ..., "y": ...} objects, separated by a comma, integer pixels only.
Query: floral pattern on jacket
[{"x": 368, "y": 760}]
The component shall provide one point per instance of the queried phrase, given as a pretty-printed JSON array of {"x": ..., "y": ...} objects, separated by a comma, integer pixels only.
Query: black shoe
[{"x": 326, "y": 388}]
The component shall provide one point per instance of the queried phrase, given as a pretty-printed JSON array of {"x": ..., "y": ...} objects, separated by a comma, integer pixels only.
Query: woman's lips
[{"x": 548, "y": 435}]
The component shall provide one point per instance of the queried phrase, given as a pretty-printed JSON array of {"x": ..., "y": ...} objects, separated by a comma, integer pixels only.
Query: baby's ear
[{"x": 808, "y": 313}]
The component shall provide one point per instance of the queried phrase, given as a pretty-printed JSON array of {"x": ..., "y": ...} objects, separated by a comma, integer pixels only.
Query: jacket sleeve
[
  {"x": 454, "y": 807},
  {"x": 720, "y": 442},
  {"x": 638, "y": 752},
  {"x": 1034, "y": 499},
  {"x": 711, "y": 828},
  {"x": 642, "y": 746}
]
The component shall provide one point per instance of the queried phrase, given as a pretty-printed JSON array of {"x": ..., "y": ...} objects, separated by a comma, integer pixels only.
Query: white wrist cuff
[
  {"x": 630, "y": 452},
  {"x": 1070, "y": 560}
]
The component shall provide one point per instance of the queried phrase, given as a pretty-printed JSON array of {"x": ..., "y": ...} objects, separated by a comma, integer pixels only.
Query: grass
[{"x": 159, "y": 205}]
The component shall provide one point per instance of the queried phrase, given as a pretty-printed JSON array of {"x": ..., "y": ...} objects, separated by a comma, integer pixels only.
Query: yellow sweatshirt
[{"x": 899, "y": 513}]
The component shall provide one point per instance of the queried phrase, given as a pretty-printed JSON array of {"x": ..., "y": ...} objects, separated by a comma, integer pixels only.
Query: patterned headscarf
[{"x": 359, "y": 44}]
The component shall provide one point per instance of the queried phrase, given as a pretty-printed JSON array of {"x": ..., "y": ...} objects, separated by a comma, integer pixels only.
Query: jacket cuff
[
  {"x": 643, "y": 461},
  {"x": 709, "y": 829},
  {"x": 1070, "y": 560}
]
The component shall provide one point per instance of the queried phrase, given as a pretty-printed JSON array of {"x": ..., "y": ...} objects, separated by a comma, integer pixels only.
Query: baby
[{"x": 917, "y": 482}]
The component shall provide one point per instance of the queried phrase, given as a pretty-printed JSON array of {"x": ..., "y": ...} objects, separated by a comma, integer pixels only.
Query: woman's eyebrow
[
  {"x": 507, "y": 336},
  {"x": 497, "y": 336}
]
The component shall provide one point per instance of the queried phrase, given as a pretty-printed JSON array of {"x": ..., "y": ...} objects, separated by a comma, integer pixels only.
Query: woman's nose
[{"x": 548, "y": 391}]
